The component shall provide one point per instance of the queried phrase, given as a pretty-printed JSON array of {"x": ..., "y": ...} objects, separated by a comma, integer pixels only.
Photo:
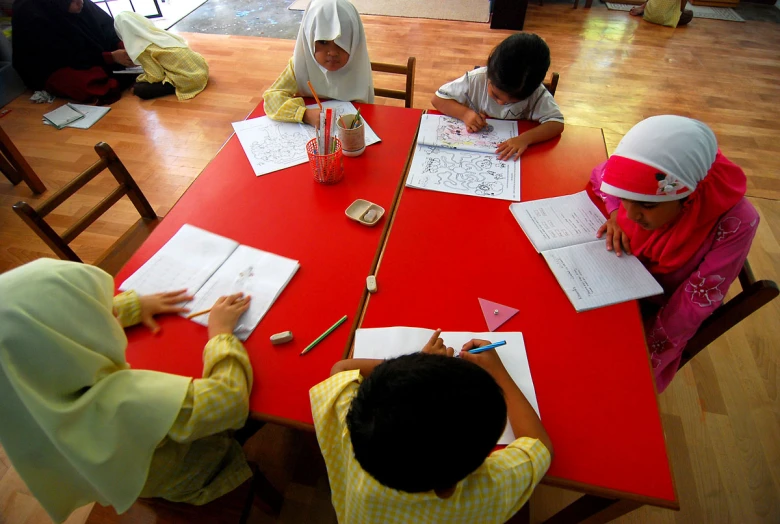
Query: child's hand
[
  {"x": 312, "y": 117},
  {"x": 616, "y": 237},
  {"x": 435, "y": 346},
  {"x": 487, "y": 360},
  {"x": 512, "y": 147},
  {"x": 225, "y": 314},
  {"x": 162, "y": 303},
  {"x": 474, "y": 121}
]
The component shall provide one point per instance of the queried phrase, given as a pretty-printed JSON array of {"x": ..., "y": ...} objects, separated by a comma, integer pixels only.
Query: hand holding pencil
[{"x": 224, "y": 314}]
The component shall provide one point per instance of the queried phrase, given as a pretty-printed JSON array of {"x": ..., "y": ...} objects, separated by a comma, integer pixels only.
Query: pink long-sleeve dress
[{"x": 693, "y": 291}]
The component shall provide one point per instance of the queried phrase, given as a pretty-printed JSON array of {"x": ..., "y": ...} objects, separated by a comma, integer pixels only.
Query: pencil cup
[
  {"x": 327, "y": 169},
  {"x": 352, "y": 138}
]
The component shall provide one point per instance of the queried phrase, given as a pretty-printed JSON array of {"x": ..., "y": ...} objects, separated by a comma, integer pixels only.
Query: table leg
[
  {"x": 593, "y": 509},
  {"x": 508, "y": 14}
]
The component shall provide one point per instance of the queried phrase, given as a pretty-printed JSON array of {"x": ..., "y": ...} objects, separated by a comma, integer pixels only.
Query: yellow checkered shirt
[
  {"x": 199, "y": 460},
  {"x": 180, "y": 66},
  {"x": 492, "y": 493},
  {"x": 280, "y": 99}
]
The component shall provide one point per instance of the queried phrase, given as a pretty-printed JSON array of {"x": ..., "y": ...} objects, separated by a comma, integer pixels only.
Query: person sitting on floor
[
  {"x": 70, "y": 49},
  {"x": 671, "y": 13},
  {"x": 170, "y": 66},
  {"x": 79, "y": 425},
  {"x": 679, "y": 206}
]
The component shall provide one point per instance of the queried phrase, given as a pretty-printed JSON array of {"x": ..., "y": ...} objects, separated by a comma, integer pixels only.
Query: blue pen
[{"x": 488, "y": 347}]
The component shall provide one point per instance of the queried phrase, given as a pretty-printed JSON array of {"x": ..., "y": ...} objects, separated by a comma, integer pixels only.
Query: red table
[
  {"x": 289, "y": 214},
  {"x": 591, "y": 370}
]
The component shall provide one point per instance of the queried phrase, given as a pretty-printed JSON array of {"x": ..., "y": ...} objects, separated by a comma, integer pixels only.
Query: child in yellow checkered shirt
[
  {"x": 411, "y": 439},
  {"x": 331, "y": 53}
]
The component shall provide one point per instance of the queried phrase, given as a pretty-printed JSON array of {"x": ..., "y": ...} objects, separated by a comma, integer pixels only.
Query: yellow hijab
[{"x": 77, "y": 423}]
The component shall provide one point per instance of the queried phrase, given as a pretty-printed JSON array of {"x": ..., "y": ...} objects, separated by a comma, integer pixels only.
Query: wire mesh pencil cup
[{"x": 327, "y": 169}]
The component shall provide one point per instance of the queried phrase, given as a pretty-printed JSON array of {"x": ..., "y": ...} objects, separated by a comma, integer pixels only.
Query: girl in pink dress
[{"x": 677, "y": 204}]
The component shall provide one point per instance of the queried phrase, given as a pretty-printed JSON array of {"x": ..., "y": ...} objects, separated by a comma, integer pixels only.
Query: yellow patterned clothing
[
  {"x": 199, "y": 460},
  {"x": 492, "y": 493},
  {"x": 280, "y": 99},
  {"x": 180, "y": 66},
  {"x": 663, "y": 12}
]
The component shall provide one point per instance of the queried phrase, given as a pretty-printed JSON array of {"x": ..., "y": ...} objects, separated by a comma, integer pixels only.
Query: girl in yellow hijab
[{"x": 80, "y": 426}]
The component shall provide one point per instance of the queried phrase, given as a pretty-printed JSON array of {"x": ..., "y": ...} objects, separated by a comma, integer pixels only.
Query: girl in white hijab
[
  {"x": 331, "y": 53},
  {"x": 80, "y": 426},
  {"x": 169, "y": 65}
]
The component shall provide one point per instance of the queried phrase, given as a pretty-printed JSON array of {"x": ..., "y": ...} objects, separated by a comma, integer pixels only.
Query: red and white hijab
[{"x": 665, "y": 158}]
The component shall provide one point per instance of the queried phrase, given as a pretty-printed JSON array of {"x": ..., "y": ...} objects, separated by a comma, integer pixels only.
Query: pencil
[
  {"x": 328, "y": 332},
  {"x": 488, "y": 347},
  {"x": 199, "y": 313},
  {"x": 311, "y": 87},
  {"x": 355, "y": 120}
]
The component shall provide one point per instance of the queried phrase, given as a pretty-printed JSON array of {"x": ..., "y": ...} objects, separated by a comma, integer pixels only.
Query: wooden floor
[{"x": 722, "y": 413}]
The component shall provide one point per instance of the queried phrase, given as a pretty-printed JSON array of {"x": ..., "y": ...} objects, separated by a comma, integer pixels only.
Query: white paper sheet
[
  {"x": 556, "y": 222},
  {"x": 186, "y": 261},
  {"x": 271, "y": 146},
  {"x": 254, "y": 272},
  {"x": 448, "y": 132},
  {"x": 464, "y": 173},
  {"x": 593, "y": 277},
  {"x": 91, "y": 115},
  {"x": 392, "y": 342}
]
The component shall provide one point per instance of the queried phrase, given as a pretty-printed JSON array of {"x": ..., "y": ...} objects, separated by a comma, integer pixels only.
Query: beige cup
[{"x": 353, "y": 141}]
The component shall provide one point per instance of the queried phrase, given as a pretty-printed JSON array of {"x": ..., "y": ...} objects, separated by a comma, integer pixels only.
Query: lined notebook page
[
  {"x": 551, "y": 223},
  {"x": 186, "y": 261},
  {"x": 254, "y": 272},
  {"x": 593, "y": 277},
  {"x": 384, "y": 343}
]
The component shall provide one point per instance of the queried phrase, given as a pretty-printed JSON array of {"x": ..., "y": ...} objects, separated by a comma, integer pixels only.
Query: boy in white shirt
[{"x": 509, "y": 88}]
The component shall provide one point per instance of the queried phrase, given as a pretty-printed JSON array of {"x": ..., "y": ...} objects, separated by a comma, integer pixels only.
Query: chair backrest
[
  {"x": 35, "y": 217},
  {"x": 407, "y": 70},
  {"x": 551, "y": 85},
  {"x": 754, "y": 294}
]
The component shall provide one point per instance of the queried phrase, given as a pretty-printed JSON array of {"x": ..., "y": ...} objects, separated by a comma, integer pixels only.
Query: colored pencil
[
  {"x": 355, "y": 120},
  {"x": 199, "y": 313},
  {"x": 313, "y": 92},
  {"x": 488, "y": 347},
  {"x": 328, "y": 332}
]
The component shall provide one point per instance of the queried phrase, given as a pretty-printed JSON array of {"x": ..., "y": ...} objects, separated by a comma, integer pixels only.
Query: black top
[{"x": 46, "y": 37}]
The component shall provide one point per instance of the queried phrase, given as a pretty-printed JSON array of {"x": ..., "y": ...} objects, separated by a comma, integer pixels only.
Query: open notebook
[
  {"x": 563, "y": 229},
  {"x": 383, "y": 343},
  {"x": 271, "y": 145},
  {"x": 210, "y": 266},
  {"x": 448, "y": 158}
]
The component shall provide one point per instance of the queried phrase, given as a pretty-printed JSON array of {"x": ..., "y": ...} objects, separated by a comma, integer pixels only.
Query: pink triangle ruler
[{"x": 496, "y": 314}]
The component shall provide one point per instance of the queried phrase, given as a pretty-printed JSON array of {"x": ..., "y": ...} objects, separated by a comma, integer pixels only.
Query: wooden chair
[
  {"x": 15, "y": 167},
  {"x": 407, "y": 70},
  {"x": 113, "y": 259},
  {"x": 754, "y": 294},
  {"x": 232, "y": 508}
]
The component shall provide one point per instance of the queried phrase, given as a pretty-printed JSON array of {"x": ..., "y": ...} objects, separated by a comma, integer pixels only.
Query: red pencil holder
[{"x": 327, "y": 169}]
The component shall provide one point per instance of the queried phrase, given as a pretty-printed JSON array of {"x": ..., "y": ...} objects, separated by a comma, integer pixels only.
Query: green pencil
[
  {"x": 355, "y": 120},
  {"x": 328, "y": 332}
]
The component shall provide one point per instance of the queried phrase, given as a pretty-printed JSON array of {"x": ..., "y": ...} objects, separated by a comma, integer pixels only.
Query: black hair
[
  {"x": 421, "y": 422},
  {"x": 518, "y": 65}
]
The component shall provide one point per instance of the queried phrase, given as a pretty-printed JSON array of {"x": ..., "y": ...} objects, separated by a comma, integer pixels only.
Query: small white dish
[{"x": 365, "y": 212}]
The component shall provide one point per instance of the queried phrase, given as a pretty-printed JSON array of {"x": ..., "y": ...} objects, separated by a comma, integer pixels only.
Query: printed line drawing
[
  {"x": 451, "y": 132},
  {"x": 278, "y": 147},
  {"x": 462, "y": 172}
]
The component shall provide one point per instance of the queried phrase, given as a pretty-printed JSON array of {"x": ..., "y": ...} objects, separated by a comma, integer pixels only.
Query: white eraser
[
  {"x": 281, "y": 338},
  {"x": 371, "y": 283}
]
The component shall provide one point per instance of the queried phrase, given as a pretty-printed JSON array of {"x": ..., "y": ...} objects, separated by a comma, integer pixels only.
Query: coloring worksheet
[
  {"x": 464, "y": 173},
  {"x": 445, "y": 131},
  {"x": 449, "y": 159},
  {"x": 271, "y": 146}
]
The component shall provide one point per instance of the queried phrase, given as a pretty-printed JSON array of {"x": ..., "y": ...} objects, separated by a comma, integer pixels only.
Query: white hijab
[
  {"x": 336, "y": 20},
  {"x": 137, "y": 33},
  {"x": 77, "y": 423}
]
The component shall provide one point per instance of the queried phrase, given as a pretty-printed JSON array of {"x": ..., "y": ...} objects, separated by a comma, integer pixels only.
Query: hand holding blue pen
[{"x": 488, "y": 347}]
